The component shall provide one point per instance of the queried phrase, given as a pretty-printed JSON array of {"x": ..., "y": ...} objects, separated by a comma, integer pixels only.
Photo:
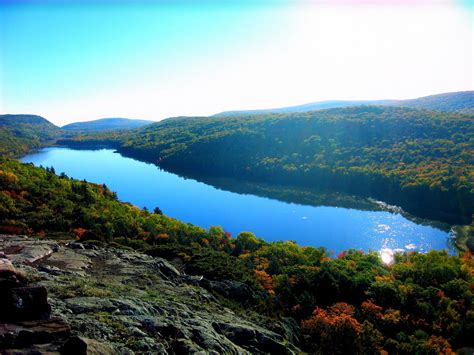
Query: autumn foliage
[
  {"x": 333, "y": 327},
  {"x": 354, "y": 303}
]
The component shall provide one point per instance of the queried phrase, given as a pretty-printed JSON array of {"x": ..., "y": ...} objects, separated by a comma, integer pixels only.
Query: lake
[{"x": 336, "y": 228}]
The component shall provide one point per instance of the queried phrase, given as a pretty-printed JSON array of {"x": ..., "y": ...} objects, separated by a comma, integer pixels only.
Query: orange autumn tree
[
  {"x": 334, "y": 328},
  {"x": 265, "y": 280},
  {"x": 8, "y": 179},
  {"x": 371, "y": 310},
  {"x": 79, "y": 232},
  {"x": 439, "y": 345}
]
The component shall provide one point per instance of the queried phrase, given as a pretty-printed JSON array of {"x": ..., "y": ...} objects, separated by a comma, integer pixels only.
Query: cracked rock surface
[{"x": 114, "y": 301}]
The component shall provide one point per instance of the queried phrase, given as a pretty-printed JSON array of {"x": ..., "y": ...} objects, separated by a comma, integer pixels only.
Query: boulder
[
  {"x": 22, "y": 302},
  {"x": 89, "y": 304},
  {"x": 24, "y": 334},
  {"x": 83, "y": 346}
]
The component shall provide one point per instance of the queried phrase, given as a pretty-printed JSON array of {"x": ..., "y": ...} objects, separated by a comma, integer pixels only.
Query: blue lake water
[{"x": 188, "y": 200}]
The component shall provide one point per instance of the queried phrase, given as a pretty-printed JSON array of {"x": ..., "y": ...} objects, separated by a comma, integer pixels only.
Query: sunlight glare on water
[
  {"x": 336, "y": 228},
  {"x": 386, "y": 254}
]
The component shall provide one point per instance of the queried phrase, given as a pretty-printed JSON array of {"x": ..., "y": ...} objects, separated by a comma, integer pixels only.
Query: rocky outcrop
[
  {"x": 234, "y": 290},
  {"x": 107, "y": 301},
  {"x": 25, "y": 334},
  {"x": 25, "y": 317}
]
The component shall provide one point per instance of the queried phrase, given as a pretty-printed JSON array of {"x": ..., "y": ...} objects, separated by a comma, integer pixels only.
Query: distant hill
[
  {"x": 107, "y": 124},
  {"x": 313, "y": 106},
  {"x": 415, "y": 158},
  {"x": 20, "y": 133},
  {"x": 462, "y": 102}
]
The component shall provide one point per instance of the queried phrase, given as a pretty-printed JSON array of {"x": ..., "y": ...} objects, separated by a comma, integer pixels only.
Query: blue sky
[{"x": 72, "y": 61}]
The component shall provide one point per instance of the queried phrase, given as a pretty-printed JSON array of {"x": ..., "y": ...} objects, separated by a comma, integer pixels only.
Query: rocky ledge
[{"x": 68, "y": 298}]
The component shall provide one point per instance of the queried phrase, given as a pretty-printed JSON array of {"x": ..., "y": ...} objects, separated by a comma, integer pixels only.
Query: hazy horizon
[
  {"x": 72, "y": 61},
  {"x": 164, "y": 118}
]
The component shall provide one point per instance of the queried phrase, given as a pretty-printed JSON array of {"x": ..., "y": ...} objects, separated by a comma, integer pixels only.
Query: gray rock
[
  {"x": 150, "y": 345},
  {"x": 147, "y": 307},
  {"x": 186, "y": 346},
  {"x": 90, "y": 305},
  {"x": 24, "y": 334},
  {"x": 137, "y": 332},
  {"x": 75, "y": 245},
  {"x": 234, "y": 290},
  {"x": 166, "y": 268},
  {"x": 50, "y": 269},
  {"x": 133, "y": 307},
  {"x": 26, "y": 251}
]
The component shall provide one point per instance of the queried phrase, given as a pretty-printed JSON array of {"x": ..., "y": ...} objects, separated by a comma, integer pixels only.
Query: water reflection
[{"x": 271, "y": 212}]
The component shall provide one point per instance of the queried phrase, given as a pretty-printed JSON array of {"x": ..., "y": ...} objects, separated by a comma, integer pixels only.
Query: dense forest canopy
[
  {"x": 419, "y": 159},
  {"x": 462, "y": 102},
  {"x": 20, "y": 133},
  {"x": 422, "y": 303},
  {"x": 354, "y": 303}
]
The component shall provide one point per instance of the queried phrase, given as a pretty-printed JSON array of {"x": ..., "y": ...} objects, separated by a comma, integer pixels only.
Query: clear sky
[{"x": 81, "y": 60}]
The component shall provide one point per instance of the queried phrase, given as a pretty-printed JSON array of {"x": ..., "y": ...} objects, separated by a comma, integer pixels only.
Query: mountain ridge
[
  {"x": 462, "y": 101},
  {"x": 106, "y": 124}
]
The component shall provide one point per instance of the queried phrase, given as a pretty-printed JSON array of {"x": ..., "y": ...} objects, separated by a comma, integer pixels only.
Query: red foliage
[
  {"x": 13, "y": 194},
  {"x": 341, "y": 255},
  {"x": 11, "y": 229}
]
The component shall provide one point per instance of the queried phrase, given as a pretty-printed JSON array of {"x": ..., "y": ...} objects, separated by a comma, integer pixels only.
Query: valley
[{"x": 289, "y": 223}]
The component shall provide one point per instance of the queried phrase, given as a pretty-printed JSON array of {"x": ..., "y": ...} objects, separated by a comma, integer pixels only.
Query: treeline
[
  {"x": 422, "y": 160},
  {"x": 422, "y": 303}
]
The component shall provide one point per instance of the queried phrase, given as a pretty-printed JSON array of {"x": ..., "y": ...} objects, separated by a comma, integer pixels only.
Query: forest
[
  {"x": 453, "y": 101},
  {"x": 419, "y": 159},
  {"x": 422, "y": 303},
  {"x": 21, "y": 133},
  {"x": 354, "y": 302}
]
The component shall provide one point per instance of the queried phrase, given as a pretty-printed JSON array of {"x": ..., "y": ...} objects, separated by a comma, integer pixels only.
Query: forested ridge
[
  {"x": 461, "y": 101},
  {"x": 351, "y": 303},
  {"x": 21, "y": 133},
  {"x": 106, "y": 124},
  {"x": 422, "y": 303},
  {"x": 419, "y": 159}
]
